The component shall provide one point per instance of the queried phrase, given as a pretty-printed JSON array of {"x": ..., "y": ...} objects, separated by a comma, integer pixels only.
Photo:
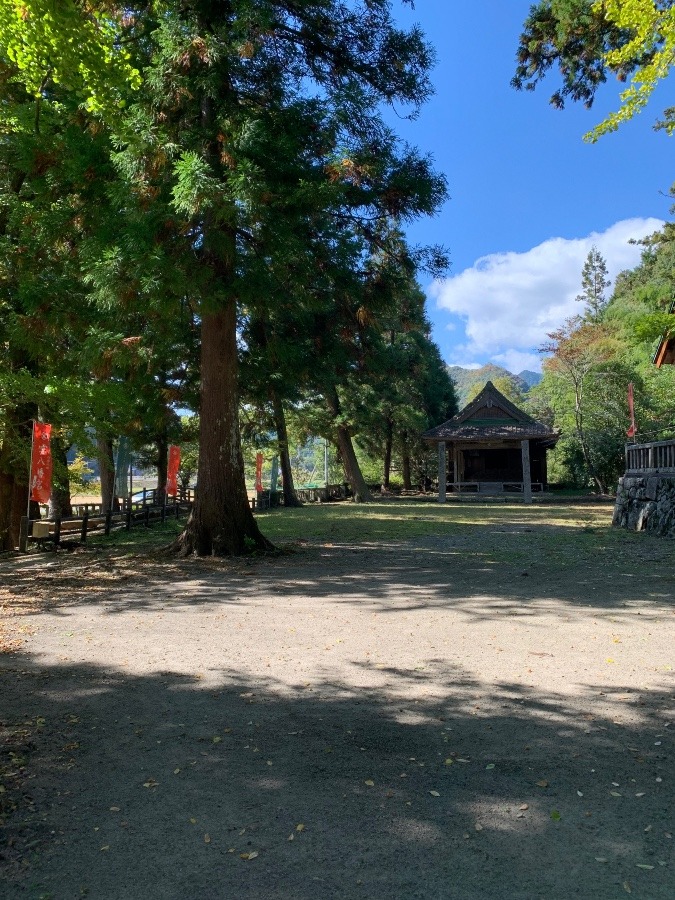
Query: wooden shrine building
[
  {"x": 665, "y": 352},
  {"x": 492, "y": 447}
]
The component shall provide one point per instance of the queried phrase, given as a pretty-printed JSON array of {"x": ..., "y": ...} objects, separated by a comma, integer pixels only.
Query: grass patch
[{"x": 569, "y": 537}]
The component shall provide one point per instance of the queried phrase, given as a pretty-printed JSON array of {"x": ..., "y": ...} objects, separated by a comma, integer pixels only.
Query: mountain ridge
[{"x": 468, "y": 381}]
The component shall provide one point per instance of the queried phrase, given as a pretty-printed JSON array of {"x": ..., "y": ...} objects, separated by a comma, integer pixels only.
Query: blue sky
[{"x": 529, "y": 196}]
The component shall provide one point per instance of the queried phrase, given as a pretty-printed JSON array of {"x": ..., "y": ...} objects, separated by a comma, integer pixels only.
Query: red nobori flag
[
  {"x": 172, "y": 471},
  {"x": 258, "y": 471},
  {"x": 41, "y": 466},
  {"x": 631, "y": 409}
]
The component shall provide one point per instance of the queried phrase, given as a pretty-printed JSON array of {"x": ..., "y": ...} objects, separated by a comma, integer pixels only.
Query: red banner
[
  {"x": 631, "y": 409},
  {"x": 172, "y": 471},
  {"x": 258, "y": 471},
  {"x": 41, "y": 464}
]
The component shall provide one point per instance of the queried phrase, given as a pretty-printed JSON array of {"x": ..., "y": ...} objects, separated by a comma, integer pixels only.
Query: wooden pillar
[
  {"x": 442, "y": 472},
  {"x": 458, "y": 463},
  {"x": 527, "y": 475}
]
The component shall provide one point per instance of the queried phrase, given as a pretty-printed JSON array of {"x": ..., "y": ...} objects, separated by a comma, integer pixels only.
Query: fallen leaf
[
  {"x": 370, "y": 782},
  {"x": 478, "y": 827},
  {"x": 600, "y": 859},
  {"x": 176, "y": 771},
  {"x": 615, "y": 794},
  {"x": 555, "y": 815},
  {"x": 643, "y": 866},
  {"x": 579, "y": 794},
  {"x": 542, "y": 783},
  {"x": 151, "y": 783},
  {"x": 291, "y": 837},
  {"x": 434, "y": 793},
  {"x": 114, "y": 809},
  {"x": 627, "y": 888},
  {"x": 193, "y": 821},
  {"x": 107, "y": 847},
  {"x": 207, "y": 839},
  {"x": 300, "y": 827},
  {"x": 641, "y": 794},
  {"x": 524, "y": 806},
  {"x": 449, "y": 761},
  {"x": 251, "y": 855},
  {"x": 490, "y": 766},
  {"x": 216, "y": 739}
]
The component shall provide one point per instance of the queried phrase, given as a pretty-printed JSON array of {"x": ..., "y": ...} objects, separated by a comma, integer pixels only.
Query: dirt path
[{"x": 478, "y": 712}]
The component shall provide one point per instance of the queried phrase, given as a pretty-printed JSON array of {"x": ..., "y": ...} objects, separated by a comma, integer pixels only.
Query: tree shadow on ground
[
  {"x": 474, "y": 571},
  {"x": 159, "y": 786}
]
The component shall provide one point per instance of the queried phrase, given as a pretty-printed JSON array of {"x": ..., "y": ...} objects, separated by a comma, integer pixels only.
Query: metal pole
[
  {"x": 131, "y": 481},
  {"x": 325, "y": 462}
]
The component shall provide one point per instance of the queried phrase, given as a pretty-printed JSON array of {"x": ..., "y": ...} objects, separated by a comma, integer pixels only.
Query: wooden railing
[
  {"x": 657, "y": 456},
  {"x": 492, "y": 487},
  {"x": 88, "y": 517},
  {"x": 323, "y": 494}
]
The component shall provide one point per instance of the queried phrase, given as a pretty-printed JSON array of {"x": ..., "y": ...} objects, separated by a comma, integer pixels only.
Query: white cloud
[{"x": 510, "y": 301}]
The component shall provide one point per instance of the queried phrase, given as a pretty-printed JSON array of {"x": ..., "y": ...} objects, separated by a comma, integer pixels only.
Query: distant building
[{"x": 492, "y": 447}]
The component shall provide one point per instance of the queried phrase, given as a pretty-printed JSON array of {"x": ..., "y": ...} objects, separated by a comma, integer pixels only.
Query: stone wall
[{"x": 646, "y": 503}]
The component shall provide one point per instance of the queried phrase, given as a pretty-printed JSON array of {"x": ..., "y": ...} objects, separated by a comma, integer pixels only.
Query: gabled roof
[{"x": 490, "y": 417}]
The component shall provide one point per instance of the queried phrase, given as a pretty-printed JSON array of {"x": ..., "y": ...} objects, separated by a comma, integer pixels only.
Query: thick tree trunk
[
  {"x": 290, "y": 497},
  {"x": 106, "y": 466},
  {"x": 14, "y": 481},
  {"x": 353, "y": 473},
  {"x": 221, "y": 523},
  {"x": 60, "y": 504},
  {"x": 9, "y": 538}
]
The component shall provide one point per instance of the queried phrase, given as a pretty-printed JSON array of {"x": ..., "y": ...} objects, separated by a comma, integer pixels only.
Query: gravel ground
[{"x": 480, "y": 714}]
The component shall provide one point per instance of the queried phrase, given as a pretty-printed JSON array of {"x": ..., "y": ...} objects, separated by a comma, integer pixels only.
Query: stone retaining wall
[{"x": 646, "y": 503}]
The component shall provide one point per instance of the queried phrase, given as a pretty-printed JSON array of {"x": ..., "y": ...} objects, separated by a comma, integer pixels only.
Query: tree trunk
[
  {"x": 221, "y": 523},
  {"x": 14, "y": 479},
  {"x": 60, "y": 504},
  {"x": 405, "y": 463},
  {"x": 387, "y": 454},
  {"x": 106, "y": 467},
  {"x": 290, "y": 497},
  {"x": 162, "y": 442},
  {"x": 581, "y": 434},
  {"x": 353, "y": 473}
]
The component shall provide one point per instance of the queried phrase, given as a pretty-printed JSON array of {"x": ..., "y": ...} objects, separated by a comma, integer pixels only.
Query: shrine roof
[{"x": 491, "y": 416}]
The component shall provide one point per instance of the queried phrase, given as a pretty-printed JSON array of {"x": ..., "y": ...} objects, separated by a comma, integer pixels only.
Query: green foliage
[
  {"x": 79, "y": 473},
  {"x": 71, "y": 44},
  {"x": 584, "y": 389},
  {"x": 594, "y": 283},
  {"x": 587, "y": 39}
]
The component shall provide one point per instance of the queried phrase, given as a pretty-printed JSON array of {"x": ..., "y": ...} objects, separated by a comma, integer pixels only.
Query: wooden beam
[{"x": 442, "y": 472}]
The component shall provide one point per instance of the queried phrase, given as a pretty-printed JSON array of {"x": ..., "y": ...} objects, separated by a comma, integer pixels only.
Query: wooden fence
[
  {"x": 657, "y": 456},
  {"x": 145, "y": 511},
  {"x": 88, "y": 517}
]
